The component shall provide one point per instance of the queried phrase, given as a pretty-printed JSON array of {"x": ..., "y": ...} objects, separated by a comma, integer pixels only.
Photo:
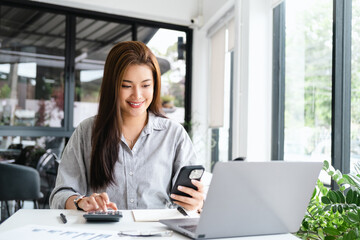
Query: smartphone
[{"x": 185, "y": 176}]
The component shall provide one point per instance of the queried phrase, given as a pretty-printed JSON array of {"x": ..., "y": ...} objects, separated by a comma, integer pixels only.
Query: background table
[{"x": 47, "y": 217}]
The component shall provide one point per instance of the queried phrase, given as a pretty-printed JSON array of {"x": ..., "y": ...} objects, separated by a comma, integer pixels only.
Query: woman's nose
[{"x": 137, "y": 93}]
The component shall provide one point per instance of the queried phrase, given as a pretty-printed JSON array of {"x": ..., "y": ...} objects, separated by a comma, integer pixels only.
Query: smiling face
[{"x": 137, "y": 91}]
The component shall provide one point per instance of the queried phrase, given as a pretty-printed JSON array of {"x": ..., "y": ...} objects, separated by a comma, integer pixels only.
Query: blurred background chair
[
  {"x": 47, "y": 167},
  {"x": 18, "y": 183}
]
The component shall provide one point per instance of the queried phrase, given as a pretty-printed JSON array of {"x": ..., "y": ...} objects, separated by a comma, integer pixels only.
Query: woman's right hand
[{"x": 95, "y": 202}]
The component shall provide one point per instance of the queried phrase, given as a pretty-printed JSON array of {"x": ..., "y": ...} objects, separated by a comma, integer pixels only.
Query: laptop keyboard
[{"x": 190, "y": 228}]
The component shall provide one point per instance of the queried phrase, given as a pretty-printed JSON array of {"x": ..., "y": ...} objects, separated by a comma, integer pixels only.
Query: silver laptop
[{"x": 253, "y": 198}]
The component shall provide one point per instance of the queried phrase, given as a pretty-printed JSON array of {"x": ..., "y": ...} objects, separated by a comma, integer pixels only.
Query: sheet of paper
[
  {"x": 154, "y": 215},
  {"x": 56, "y": 233}
]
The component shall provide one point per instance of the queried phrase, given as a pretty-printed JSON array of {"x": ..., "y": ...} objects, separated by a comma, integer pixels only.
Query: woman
[{"x": 129, "y": 155}]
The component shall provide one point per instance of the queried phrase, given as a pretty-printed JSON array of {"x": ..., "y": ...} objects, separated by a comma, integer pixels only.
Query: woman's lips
[{"x": 135, "y": 104}]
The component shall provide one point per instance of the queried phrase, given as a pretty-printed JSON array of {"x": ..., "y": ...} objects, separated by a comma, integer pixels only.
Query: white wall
[
  {"x": 253, "y": 76},
  {"x": 260, "y": 80}
]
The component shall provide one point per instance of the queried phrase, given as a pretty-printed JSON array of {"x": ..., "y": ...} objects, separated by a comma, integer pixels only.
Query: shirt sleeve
[{"x": 71, "y": 179}]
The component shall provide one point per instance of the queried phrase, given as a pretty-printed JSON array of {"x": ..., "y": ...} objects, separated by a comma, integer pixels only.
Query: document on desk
[
  {"x": 39, "y": 232},
  {"x": 154, "y": 215}
]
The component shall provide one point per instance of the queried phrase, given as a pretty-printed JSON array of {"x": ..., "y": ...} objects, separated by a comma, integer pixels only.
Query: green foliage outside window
[{"x": 5, "y": 91}]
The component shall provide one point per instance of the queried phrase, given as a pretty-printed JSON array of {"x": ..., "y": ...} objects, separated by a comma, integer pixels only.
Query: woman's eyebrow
[{"x": 129, "y": 81}]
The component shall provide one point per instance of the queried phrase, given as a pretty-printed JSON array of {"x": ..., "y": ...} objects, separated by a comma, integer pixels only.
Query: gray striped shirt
[{"x": 143, "y": 175}]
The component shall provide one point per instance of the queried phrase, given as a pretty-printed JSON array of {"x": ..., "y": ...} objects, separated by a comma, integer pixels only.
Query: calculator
[{"x": 103, "y": 216}]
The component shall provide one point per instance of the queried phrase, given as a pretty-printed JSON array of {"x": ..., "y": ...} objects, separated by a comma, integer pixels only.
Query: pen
[
  {"x": 182, "y": 211},
  {"x": 63, "y": 218}
]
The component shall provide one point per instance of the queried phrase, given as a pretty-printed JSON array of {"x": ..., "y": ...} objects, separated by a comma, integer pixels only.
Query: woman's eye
[
  {"x": 148, "y": 85},
  {"x": 126, "y": 86}
]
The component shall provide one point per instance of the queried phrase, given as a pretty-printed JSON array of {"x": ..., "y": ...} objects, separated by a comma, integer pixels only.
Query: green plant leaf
[
  {"x": 325, "y": 200},
  {"x": 326, "y": 165},
  {"x": 330, "y": 238},
  {"x": 314, "y": 193},
  {"x": 351, "y": 235},
  {"x": 341, "y": 197},
  {"x": 324, "y": 191},
  {"x": 355, "y": 197},
  {"x": 334, "y": 208},
  {"x": 331, "y": 231},
  {"x": 305, "y": 225},
  {"x": 339, "y": 174},
  {"x": 340, "y": 209},
  {"x": 349, "y": 180},
  {"x": 349, "y": 196},
  {"x": 353, "y": 180},
  {"x": 332, "y": 196},
  {"x": 353, "y": 217},
  {"x": 320, "y": 233},
  {"x": 341, "y": 181}
]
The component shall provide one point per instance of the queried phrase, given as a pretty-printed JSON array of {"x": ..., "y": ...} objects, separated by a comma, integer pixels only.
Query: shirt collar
[{"x": 154, "y": 123}]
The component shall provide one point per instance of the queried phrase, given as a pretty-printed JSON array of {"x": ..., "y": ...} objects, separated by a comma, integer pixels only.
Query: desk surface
[{"x": 46, "y": 217}]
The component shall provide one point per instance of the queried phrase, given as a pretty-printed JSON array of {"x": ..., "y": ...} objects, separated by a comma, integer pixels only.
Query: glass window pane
[
  {"x": 94, "y": 39},
  {"x": 355, "y": 86},
  {"x": 308, "y": 82},
  {"x": 32, "y": 45},
  {"x": 168, "y": 46},
  {"x": 12, "y": 147}
]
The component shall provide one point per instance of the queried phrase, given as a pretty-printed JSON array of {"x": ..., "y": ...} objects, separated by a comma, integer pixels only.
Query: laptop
[{"x": 251, "y": 199}]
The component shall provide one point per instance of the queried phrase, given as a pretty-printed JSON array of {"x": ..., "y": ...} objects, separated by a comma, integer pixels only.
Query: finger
[
  {"x": 186, "y": 206},
  {"x": 112, "y": 206},
  {"x": 107, "y": 203},
  {"x": 187, "y": 200},
  {"x": 199, "y": 185},
  {"x": 92, "y": 201},
  {"x": 101, "y": 203},
  {"x": 192, "y": 192},
  {"x": 105, "y": 197}
]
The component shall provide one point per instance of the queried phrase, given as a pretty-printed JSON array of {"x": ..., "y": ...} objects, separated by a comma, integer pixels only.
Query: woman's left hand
[{"x": 195, "y": 202}]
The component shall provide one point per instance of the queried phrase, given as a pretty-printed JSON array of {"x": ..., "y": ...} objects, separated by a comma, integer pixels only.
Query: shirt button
[
  {"x": 131, "y": 200},
  {"x": 131, "y": 173}
]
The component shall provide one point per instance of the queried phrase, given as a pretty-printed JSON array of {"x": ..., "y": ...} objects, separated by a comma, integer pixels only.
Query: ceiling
[{"x": 29, "y": 35}]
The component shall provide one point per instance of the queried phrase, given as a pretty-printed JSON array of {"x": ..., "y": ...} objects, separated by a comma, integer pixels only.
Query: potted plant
[
  {"x": 167, "y": 101},
  {"x": 334, "y": 214}
]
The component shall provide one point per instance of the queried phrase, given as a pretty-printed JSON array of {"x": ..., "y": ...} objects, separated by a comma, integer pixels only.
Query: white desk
[{"x": 46, "y": 217}]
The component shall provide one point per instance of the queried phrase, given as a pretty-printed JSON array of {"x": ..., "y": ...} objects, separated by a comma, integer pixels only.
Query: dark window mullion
[
  {"x": 278, "y": 87},
  {"x": 230, "y": 156},
  {"x": 341, "y": 86},
  {"x": 188, "y": 83},
  {"x": 134, "y": 28},
  {"x": 69, "y": 72}
]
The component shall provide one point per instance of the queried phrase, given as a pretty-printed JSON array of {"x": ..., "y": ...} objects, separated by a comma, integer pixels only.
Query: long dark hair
[{"x": 106, "y": 134}]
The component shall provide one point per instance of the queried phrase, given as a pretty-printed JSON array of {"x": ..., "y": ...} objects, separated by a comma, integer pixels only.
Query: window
[
  {"x": 308, "y": 49},
  {"x": 169, "y": 47},
  {"x": 355, "y": 86},
  {"x": 221, "y": 96},
  {"x": 31, "y": 67},
  {"x": 311, "y": 79},
  {"x": 94, "y": 39}
]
